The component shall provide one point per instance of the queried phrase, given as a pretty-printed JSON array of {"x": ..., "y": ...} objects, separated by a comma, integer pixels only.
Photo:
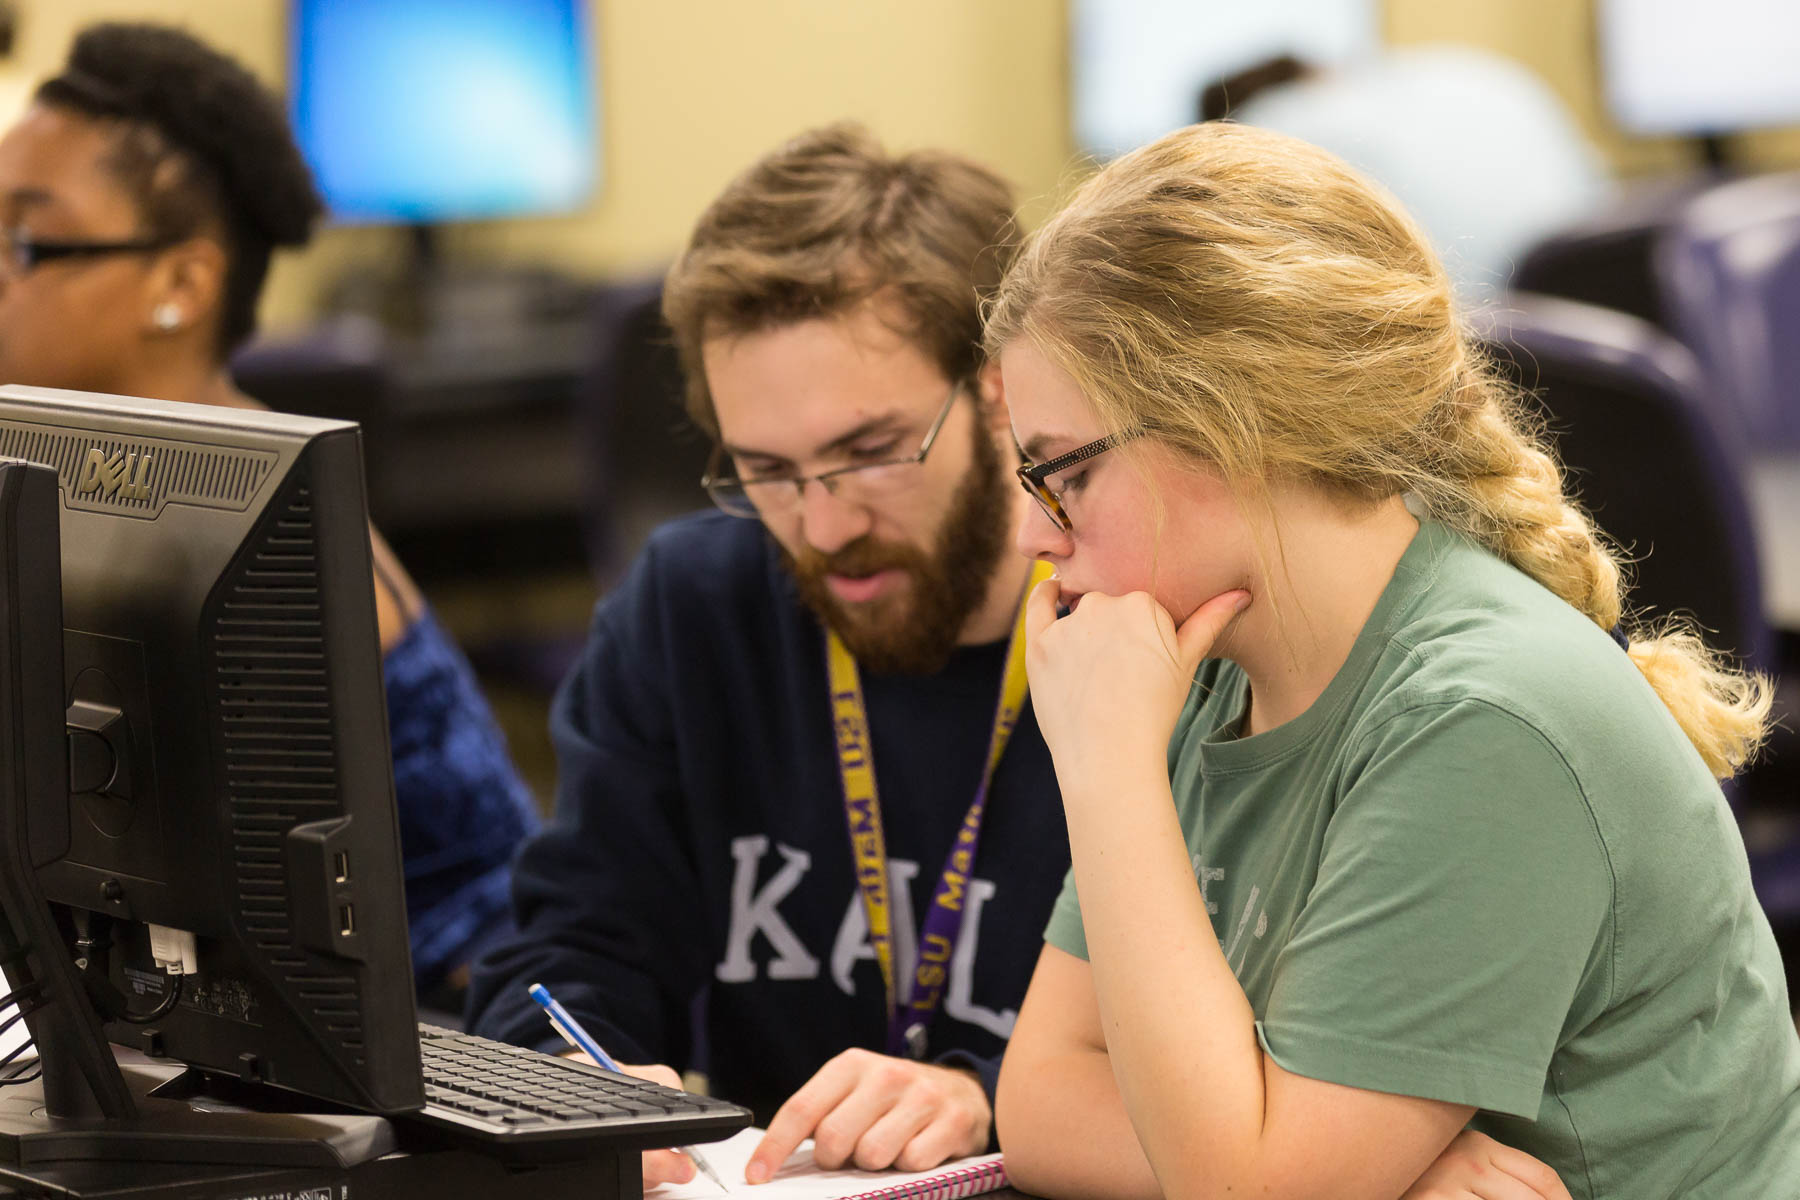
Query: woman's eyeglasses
[
  {"x": 20, "y": 253},
  {"x": 1036, "y": 480}
]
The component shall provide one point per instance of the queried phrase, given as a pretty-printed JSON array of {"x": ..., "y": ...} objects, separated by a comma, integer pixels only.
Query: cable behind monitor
[{"x": 80, "y": 1076}]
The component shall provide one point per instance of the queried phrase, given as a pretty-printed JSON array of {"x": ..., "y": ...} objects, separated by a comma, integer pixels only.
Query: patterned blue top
[{"x": 463, "y": 808}]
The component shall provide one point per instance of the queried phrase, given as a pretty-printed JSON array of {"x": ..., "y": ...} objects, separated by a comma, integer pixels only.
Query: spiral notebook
[{"x": 801, "y": 1179}]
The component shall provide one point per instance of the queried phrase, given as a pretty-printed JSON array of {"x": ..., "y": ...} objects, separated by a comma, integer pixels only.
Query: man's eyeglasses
[
  {"x": 858, "y": 483},
  {"x": 1036, "y": 480},
  {"x": 20, "y": 252}
]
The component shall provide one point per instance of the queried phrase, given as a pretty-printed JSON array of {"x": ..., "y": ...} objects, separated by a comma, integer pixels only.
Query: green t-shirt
[{"x": 1486, "y": 867}]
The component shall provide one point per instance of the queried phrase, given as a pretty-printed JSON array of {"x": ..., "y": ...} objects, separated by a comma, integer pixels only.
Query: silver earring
[{"x": 166, "y": 316}]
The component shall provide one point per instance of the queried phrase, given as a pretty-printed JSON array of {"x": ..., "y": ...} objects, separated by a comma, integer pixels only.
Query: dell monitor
[
  {"x": 199, "y": 852},
  {"x": 230, "y": 794}
]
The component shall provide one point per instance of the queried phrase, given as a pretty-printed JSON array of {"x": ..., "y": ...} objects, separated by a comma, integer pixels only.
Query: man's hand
[
  {"x": 1476, "y": 1166},
  {"x": 877, "y": 1111},
  {"x": 660, "y": 1166}
]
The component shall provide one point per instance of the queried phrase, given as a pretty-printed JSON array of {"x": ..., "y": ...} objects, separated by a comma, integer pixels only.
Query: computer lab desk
[{"x": 444, "y": 1176}]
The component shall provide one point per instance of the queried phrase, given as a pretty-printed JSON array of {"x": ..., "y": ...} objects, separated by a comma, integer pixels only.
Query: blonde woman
[{"x": 1386, "y": 821}]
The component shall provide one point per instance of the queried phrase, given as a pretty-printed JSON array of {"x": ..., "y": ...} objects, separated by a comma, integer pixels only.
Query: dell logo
[{"x": 125, "y": 474}]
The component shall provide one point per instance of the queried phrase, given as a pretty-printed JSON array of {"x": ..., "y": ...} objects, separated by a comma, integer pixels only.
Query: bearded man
[{"x": 804, "y": 718}]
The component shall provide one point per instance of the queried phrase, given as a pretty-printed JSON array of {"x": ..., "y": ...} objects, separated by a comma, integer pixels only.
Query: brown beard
[{"x": 913, "y": 630}]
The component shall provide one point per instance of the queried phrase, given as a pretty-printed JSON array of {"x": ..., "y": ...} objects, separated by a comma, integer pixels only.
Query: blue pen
[{"x": 582, "y": 1040}]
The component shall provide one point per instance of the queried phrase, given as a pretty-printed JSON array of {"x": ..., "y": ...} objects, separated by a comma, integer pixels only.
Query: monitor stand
[
  {"x": 179, "y": 1118},
  {"x": 391, "y": 1177},
  {"x": 144, "y": 1128},
  {"x": 187, "y": 1142}
]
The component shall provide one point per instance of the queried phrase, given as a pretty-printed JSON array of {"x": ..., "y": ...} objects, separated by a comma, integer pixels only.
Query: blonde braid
[
  {"x": 1723, "y": 711},
  {"x": 1497, "y": 481},
  {"x": 1501, "y": 485}
]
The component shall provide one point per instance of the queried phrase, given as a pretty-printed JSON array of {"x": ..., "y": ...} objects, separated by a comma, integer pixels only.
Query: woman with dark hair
[{"x": 141, "y": 196}]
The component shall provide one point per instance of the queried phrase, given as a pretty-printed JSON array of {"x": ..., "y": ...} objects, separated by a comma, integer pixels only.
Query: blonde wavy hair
[{"x": 1250, "y": 301}]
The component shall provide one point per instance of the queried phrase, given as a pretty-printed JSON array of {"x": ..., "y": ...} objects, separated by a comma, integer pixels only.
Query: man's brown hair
[{"x": 829, "y": 221}]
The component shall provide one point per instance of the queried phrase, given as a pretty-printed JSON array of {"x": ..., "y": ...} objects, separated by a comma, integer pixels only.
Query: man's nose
[{"x": 828, "y": 521}]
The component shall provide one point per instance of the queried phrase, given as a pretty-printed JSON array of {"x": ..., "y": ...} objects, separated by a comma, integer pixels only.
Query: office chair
[
  {"x": 1626, "y": 408},
  {"x": 648, "y": 457},
  {"x": 1729, "y": 270},
  {"x": 643, "y": 462},
  {"x": 1607, "y": 257}
]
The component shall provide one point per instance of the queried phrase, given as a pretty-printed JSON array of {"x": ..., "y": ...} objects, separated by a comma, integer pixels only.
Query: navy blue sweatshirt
[{"x": 698, "y": 865}]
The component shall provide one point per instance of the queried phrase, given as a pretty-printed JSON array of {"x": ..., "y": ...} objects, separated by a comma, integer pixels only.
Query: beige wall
[{"x": 695, "y": 89}]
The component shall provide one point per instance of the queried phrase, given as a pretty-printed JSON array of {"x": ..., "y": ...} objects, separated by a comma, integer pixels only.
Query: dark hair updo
[{"x": 200, "y": 140}]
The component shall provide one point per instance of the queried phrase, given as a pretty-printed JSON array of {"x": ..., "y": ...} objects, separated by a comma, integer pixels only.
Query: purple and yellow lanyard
[{"x": 909, "y": 1016}]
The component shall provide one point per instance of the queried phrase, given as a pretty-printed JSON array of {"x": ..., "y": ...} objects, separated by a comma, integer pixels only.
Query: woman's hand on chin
[{"x": 1109, "y": 680}]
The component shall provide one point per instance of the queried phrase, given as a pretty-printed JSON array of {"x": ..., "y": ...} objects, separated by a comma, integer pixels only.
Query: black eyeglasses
[
  {"x": 21, "y": 253},
  {"x": 1035, "y": 480},
  {"x": 860, "y": 483}
]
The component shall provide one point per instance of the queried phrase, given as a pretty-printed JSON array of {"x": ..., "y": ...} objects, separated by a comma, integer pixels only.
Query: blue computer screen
[{"x": 434, "y": 110}]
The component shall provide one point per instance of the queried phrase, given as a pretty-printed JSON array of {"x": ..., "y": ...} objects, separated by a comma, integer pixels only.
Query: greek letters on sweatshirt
[{"x": 693, "y": 901}]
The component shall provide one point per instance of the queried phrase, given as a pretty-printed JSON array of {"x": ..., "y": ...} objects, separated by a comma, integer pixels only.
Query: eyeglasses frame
[
  {"x": 1033, "y": 479},
  {"x": 713, "y": 482},
  {"x": 25, "y": 254}
]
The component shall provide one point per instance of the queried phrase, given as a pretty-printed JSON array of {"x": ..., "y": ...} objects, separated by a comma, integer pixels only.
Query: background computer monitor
[
  {"x": 1676, "y": 67},
  {"x": 1138, "y": 66},
  {"x": 423, "y": 111},
  {"x": 229, "y": 772}
]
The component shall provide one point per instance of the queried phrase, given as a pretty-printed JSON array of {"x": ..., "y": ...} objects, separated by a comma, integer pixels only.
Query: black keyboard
[{"x": 512, "y": 1102}]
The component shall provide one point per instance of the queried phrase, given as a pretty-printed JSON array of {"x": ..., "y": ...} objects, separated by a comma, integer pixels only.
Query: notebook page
[{"x": 799, "y": 1178}]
